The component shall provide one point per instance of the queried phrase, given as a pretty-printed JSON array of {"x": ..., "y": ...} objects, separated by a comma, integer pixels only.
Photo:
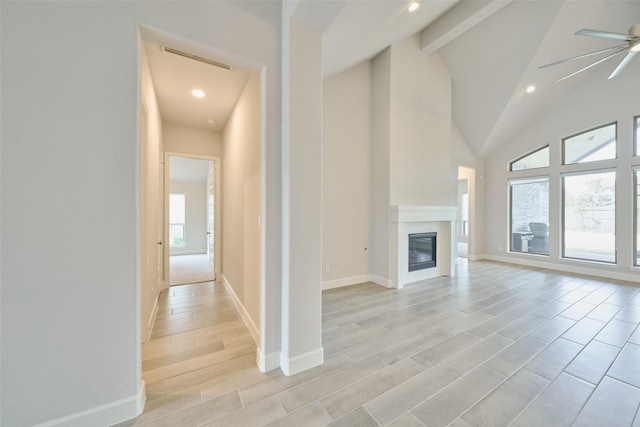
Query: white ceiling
[
  {"x": 492, "y": 49},
  {"x": 363, "y": 29},
  {"x": 492, "y": 64},
  {"x": 174, "y": 77}
]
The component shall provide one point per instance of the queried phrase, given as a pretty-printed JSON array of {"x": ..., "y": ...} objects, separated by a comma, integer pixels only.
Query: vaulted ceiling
[{"x": 492, "y": 48}]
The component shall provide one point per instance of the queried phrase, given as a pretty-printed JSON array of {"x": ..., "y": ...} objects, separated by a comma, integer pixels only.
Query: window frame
[
  {"x": 635, "y": 142},
  {"x": 527, "y": 155},
  {"x": 635, "y": 171},
  {"x": 593, "y": 162}
]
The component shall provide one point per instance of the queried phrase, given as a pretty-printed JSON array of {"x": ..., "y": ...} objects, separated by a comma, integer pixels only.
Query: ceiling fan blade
[
  {"x": 604, "y": 35},
  {"x": 623, "y": 64},
  {"x": 583, "y": 56},
  {"x": 618, "y": 52}
]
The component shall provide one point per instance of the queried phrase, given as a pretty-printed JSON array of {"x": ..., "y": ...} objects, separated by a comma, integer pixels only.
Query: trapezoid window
[
  {"x": 537, "y": 159},
  {"x": 590, "y": 146}
]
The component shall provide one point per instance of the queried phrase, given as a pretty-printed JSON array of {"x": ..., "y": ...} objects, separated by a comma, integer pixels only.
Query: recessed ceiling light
[
  {"x": 413, "y": 6},
  {"x": 531, "y": 88},
  {"x": 197, "y": 93},
  {"x": 211, "y": 122}
]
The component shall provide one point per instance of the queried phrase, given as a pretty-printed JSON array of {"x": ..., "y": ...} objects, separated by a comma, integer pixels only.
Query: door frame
[{"x": 217, "y": 223}]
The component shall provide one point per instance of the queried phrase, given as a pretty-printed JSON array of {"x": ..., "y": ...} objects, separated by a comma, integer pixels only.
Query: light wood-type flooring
[{"x": 496, "y": 345}]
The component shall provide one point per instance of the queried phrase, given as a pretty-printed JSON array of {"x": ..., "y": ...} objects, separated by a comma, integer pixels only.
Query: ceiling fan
[{"x": 631, "y": 46}]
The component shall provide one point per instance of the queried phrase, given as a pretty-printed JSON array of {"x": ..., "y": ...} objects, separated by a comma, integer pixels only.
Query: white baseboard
[
  {"x": 267, "y": 362},
  {"x": 189, "y": 252},
  {"x": 354, "y": 280},
  {"x": 253, "y": 329},
  {"x": 297, "y": 364},
  {"x": 387, "y": 283},
  {"x": 347, "y": 281},
  {"x": 475, "y": 257},
  {"x": 104, "y": 415},
  {"x": 607, "y": 272}
]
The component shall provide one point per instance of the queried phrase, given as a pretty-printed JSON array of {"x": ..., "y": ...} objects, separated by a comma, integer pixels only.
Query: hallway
[{"x": 199, "y": 348}]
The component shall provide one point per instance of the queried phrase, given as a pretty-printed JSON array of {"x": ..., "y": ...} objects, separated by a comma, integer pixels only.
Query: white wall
[
  {"x": 422, "y": 170},
  {"x": 380, "y": 165},
  {"x": 241, "y": 199},
  {"x": 70, "y": 301},
  {"x": 301, "y": 196},
  {"x": 150, "y": 158},
  {"x": 69, "y": 136},
  {"x": 195, "y": 216},
  {"x": 596, "y": 102},
  {"x": 412, "y": 160},
  {"x": 346, "y": 176},
  {"x": 191, "y": 141}
]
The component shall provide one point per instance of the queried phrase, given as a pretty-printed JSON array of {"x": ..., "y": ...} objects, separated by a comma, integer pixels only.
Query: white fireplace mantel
[{"x": 409, "y": 219}]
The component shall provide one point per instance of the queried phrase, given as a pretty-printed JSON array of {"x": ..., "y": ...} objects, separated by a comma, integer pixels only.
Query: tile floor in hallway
[{"x": 496, "y": 345}]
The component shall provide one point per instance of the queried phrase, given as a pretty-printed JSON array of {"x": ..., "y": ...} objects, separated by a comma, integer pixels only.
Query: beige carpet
[{"x": 189, "y": 269}]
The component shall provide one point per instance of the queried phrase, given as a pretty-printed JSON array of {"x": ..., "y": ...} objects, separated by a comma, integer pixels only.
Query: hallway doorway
[
  {"x": 193, "y": 217},
  {"x": 466, "y": 186}
]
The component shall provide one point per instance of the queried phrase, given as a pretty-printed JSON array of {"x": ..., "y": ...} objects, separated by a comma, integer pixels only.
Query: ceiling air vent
[{"x": 196, "y": 58}]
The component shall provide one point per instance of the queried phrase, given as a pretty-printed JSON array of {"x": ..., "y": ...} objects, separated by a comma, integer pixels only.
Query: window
[
  {"x": 636, "y": 134},
  {"x": 636, "y": 186},
  {"x": 176, "y": 219},
  {"x": 530, "y": 215},
  {"x": 590, "y": 146},
  {"x": 589, "y": 216},
  {"x": 537, "y": 159}
]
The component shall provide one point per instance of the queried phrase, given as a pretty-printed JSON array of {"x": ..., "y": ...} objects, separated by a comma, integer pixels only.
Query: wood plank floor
[{"x": 496, "y": 345}]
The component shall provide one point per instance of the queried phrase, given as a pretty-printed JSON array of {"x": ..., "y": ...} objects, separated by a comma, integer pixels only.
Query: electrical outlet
[{"x": 327, "y": 268}]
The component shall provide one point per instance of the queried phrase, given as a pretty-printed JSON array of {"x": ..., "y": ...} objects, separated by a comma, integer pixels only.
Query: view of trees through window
[
  {"x": 530, "y": 216},
  {"x": 590, "y": 216},
  {"x": 637, "y": 188}
]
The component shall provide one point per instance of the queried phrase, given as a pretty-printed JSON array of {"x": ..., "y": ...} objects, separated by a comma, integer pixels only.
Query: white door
[
  {"x": 160, "y": 220},
  {"x": 211, "y": 217}
]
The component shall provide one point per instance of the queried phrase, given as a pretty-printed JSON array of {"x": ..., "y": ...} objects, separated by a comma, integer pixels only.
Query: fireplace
[
  {"x": 422, "y": 224},
  {"x": 422, "y": 251}
]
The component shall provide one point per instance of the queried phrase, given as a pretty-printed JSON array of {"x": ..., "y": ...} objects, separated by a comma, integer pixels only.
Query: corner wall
[
  {"x": 150, "y": 156},
  {"x": 346, "y": 177},
  {"x": 241, "y": 202},
  {"x": 70, "y": 300}
]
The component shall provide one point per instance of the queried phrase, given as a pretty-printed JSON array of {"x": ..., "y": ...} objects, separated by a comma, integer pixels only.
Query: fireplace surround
[{"x": 419, "y": 219}]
